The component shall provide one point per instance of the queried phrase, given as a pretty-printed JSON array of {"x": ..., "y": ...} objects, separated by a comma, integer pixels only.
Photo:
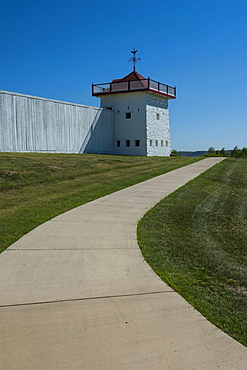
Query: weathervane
[{"x": 134, "y": 59}]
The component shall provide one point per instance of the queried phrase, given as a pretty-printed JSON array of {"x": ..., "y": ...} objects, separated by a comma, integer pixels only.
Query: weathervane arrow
[{"x": 134, "y": 59}]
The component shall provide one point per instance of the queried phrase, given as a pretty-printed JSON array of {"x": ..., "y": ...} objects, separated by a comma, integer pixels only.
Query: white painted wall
[
  {"x": 131, "y": 129},
  {"x": 32, "y": 124}
]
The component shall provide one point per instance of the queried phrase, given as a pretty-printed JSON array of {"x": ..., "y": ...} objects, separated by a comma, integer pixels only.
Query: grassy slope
[
  {"x": 196, "y": 241},
  {"x": 36, "y": 187}
]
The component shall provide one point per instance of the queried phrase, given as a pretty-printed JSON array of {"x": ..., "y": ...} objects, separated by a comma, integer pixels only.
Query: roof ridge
[{"x": 130, "y": 77}]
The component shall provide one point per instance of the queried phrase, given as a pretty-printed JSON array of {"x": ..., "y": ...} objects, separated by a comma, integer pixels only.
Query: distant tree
[
  {"x": 211, "y": 150},
  {"x": 244, "y": 153},
  {"x": 174, "y": 153},
  {"x": 236, "y": 152},
  {"x": 223, "y": 152}
]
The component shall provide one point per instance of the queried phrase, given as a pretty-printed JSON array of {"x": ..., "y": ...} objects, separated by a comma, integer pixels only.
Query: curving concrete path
[{"x": 75, "y": 293}]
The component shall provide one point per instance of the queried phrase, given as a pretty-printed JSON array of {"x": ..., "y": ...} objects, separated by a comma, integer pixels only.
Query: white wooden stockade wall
[{"x": 32, "y": 124}]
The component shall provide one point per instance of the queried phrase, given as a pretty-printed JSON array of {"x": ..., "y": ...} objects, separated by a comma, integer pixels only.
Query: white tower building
[{"x": 141, "y": 117}]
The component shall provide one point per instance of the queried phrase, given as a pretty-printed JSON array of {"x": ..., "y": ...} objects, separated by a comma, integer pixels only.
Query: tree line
[{"x": 235, "y": 153}]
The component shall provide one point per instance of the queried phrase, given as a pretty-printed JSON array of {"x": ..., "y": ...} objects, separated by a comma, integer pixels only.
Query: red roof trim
[{"x": 138, "y": 90}]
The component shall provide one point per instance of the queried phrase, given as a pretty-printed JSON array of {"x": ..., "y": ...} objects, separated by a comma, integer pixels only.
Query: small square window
[
  {"x": 118, "y": 143},
  {"x": 137, "y": 142},
  {"x": 127, "y": 142},
  {"x": 128, "y": 115},
  {"x": 158, "y": 116}
]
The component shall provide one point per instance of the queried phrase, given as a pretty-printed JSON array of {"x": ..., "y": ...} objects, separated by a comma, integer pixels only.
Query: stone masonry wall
[{"x": 158, "y": 129}]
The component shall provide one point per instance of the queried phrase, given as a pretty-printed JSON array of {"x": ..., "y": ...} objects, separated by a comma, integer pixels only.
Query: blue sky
[{"x": 57, "y": 49}]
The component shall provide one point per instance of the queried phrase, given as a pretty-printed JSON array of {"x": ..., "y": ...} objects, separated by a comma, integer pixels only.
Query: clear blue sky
[{"x": 57, "y": 48}]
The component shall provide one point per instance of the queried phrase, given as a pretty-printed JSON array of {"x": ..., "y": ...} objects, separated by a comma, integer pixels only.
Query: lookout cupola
[
  {"x": 133, "y": 82},
  {"x": 140, "y": 105}
]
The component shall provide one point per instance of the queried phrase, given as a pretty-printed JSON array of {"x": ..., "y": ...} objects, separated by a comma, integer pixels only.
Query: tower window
[
  {"x": 151, "y": 142},
  {"x": 166, "y": 143},
  {"x": 109, "y": 108},
  {"x": 128, "y": 115},
  {"x": 118, "y": 143},
  {"x": 156, "y": 142},
  {"x": 162, "y": 143},
  {"x": 158, "y": 116},
  {"x": 137, "y": 142},
  {"x": 127, "y": 142}
]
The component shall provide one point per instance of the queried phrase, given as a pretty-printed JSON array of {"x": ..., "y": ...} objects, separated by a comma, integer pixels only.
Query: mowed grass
[
  {"x": 36, "y": 187},
  {"x": 196, "y": 241}
]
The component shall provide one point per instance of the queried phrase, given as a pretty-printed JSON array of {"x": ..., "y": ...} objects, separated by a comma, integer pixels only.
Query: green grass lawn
[
  {"x": 36, "y": 187},
  {"x": 196, "y": 241}
]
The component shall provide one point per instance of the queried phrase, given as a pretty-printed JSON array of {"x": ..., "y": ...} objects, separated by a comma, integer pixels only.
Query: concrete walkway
[{"x": 76, "y": 294}]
